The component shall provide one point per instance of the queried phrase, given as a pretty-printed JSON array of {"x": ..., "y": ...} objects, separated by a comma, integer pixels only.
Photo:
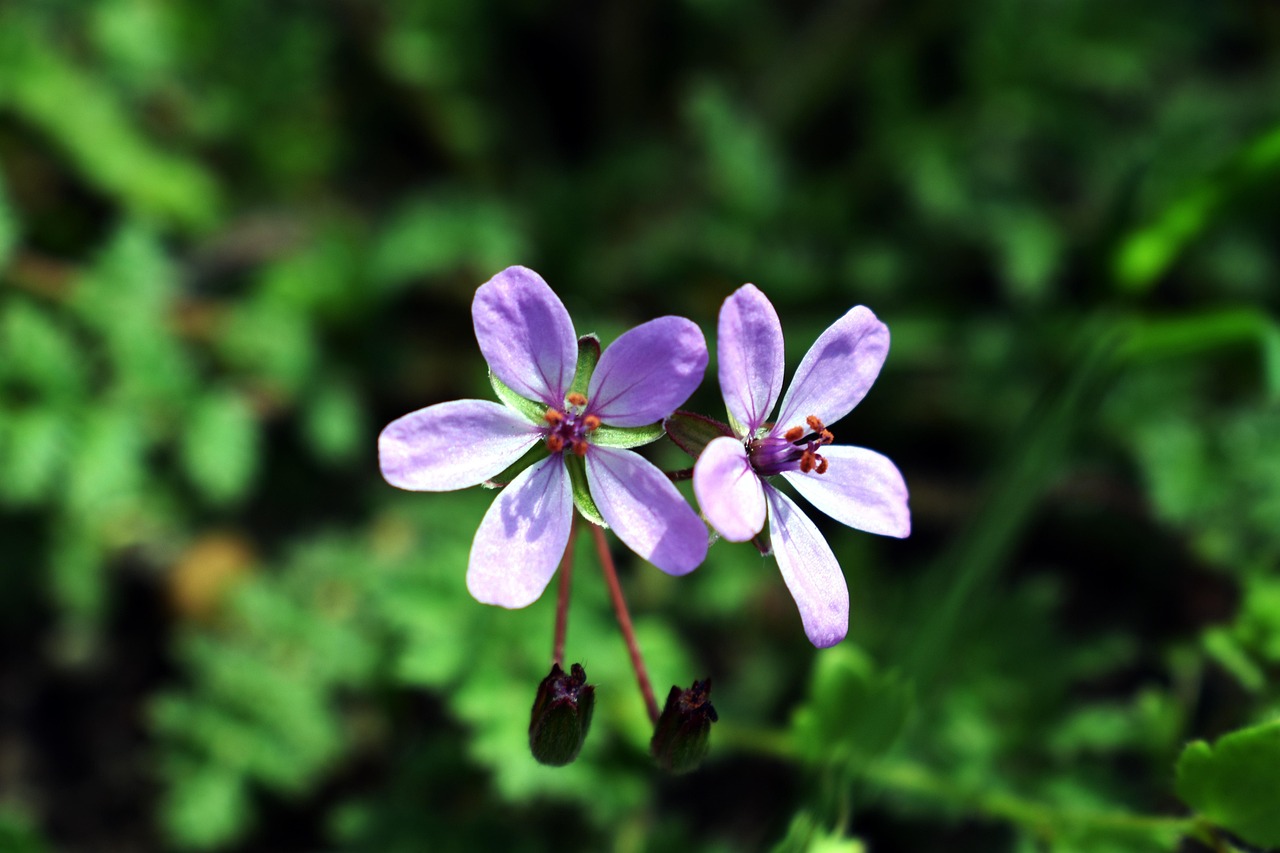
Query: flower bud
[
  {"x": 561, "y": 715},
  {"x": 683, "y": 734}
]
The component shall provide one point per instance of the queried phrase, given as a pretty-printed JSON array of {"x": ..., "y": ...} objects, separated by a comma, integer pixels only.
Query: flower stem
[
  {"x": 562, "y": 596},
  {"x": 624, "y": 622},
  {"x": 677, "y": 476}
]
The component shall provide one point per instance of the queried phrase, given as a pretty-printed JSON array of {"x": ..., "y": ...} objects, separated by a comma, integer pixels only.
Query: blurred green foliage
[{"x": 237, "y": 238}]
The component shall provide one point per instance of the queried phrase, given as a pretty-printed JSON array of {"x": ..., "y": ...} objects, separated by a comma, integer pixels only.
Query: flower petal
[
  {"x": 729, "y": 492},
  {"x": 749, "y": 349},
  {"x": 645, "y": 374},
  {"x": 837, "y": 371},
  {"x": 646, "y": 511},
  {"x": 809, "y": 570},
  {"x": 453, "y": 445},
  {"x": 861, "y": 488},
  {"x": 522, "y": 537},
  {"x": 526, "y": 335}
]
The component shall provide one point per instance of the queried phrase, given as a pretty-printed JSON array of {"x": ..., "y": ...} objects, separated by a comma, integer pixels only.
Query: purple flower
[
  {"x": 528, "y": 339},
  {"x": 853, "y": 485}
]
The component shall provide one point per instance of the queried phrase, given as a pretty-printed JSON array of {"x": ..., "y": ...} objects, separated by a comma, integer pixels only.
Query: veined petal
[
  {"x": 522, "y": 537},
  {"x": 861, "y": 488},
  {"x": 729, "y": 492},
  {"x": 749, "y": 349},
  {"x": 526, "y": 335},
  {"x": 809, "y": 570},
  {"x": 837, "y": 371},
  {"x": 453, "y": 445},
  {"x": 646, "y": 373},
  {"x": 646, "y": 511}
]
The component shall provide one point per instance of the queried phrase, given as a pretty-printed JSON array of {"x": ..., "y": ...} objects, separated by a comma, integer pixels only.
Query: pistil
[
  {"x": 774, "y": 454},
  {"x": 569, "y": 428}
]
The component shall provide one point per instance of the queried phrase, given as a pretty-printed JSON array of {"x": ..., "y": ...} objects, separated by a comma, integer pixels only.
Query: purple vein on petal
[
  {"x": 837, "y": 371},
  {"x": 522, "y": 537},
  {"x": 749, "y": 347},
  {"x": 810, "y": 571},
  {"x": 647, "y": 372},
  {"x": 645, "y": 510},
  {"x": 861, "y": 488},
  {"x": 453, "y": 445},
  {"x": 526, "y": 335}
]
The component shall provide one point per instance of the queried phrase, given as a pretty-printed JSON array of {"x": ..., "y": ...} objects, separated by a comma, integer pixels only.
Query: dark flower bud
[
  {"x": 561, "y": 715},
  {"x": 683, "y": 734}
]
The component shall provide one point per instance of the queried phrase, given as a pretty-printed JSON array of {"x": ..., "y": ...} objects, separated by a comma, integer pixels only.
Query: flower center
[
  {"x": 570, "y": 426},
  {"x": 774, "y": 454}
]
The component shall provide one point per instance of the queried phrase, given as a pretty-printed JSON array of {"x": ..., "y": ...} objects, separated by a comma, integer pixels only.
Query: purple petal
[
  {"x": 523, "y": 536},
  {"x": 729, "y": 492},
  {"x": 645, "y": 374},
  {"x": 453, "y": 445},
  {"x": 646, "y": 511},
  {"x": 809, "y": 570},
  {"x": 837, "y": 371},
  {"x": 526, "y": 335},
  {"x": 749, "y": 348},
  {"x": 861, "y": 488}
]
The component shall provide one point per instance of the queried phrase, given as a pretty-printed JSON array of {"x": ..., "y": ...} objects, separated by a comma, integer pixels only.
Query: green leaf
[
  {"x": 581, "y": 494},
  {"x": 854, "y": 713},
  {"x": 220, "y": 446},
  {"x": 531, "y": 410},
  {"x": 693, "y": 432},
  {"x": 1235, "y": 782},
  {"x": 627, "y": 436},
  {"x": 588, "y": 357}
]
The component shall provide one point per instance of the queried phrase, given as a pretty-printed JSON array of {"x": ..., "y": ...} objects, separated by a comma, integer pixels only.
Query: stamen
[
  {"x": 806, "y": 461},
  {"x": 826, "y": 437},
  {"x": 815, "y": 424},
  {"x": 793, "y": 434},
  {"x": 553, "y": 416},
  {"x": 555, "y": 443},
  {"x": 822, "y": 464},
  {"x": 575, "y": 399},
  {"x": 590, "y": 422},
  {"x": 579, "y": 447}
]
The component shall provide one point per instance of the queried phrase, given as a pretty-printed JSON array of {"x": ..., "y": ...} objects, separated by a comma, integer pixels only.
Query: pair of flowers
[{"x": 587, "y": 409}]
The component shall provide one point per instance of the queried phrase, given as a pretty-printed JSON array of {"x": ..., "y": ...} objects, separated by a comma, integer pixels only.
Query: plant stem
[
  {"x": 562, "y": 597},
  {"x": 677, "y": 476},
  {"x": 624, "y": 622}
]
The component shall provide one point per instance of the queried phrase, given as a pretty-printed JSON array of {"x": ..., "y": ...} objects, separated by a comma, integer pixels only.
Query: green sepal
[
  {"x": 588, "y": 357},
  {"x": 763, "y": 541},
  {"x": 1233, "y": 784},
  {"x": 608, "y": 436},
  {"x": 693, "y": 432},
  {"x": 534, "y": 454},
  {"x": 581, "y": 494},
  {"x": 531, "y": 410}
]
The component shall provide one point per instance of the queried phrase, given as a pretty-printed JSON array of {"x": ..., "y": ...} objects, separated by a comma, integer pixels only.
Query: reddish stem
[
  {"x": 624, "y": 622},
  {"x": 562, "y": 597}
]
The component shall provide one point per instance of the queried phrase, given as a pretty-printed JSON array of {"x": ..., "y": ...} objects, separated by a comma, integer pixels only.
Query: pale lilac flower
[
  {"x": 853, "y": 485},
  {"x": 527, "y": 337}
]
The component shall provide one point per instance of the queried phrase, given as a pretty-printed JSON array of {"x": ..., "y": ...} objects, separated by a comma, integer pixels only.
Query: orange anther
[
  {"x": 793, "y": 434},
  {"x": 580, "y": 447},
  {"x": 806, "y": 461},
  {"x": 590, "y": 422},
  {"x": 555, "y": 443},
  {"x": 822, "y": 464},
  {"x": 814, "y": 424},
  {"x": 552, "y": 416},
  {"x": 827, "y": 437},
  {"x": 576, "y": 399}
]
